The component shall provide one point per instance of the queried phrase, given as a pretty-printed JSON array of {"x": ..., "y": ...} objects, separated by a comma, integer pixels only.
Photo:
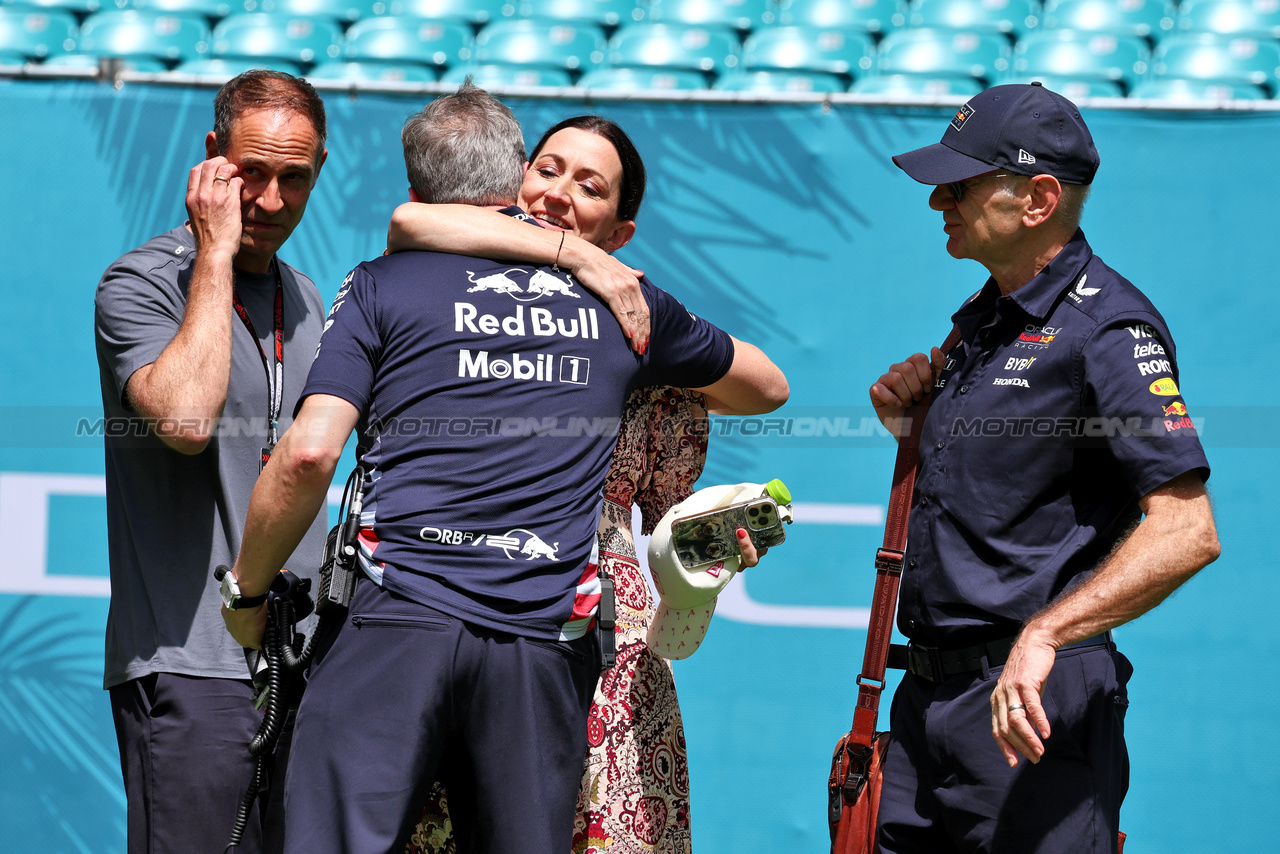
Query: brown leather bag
[{"x": 853, "y": 789}]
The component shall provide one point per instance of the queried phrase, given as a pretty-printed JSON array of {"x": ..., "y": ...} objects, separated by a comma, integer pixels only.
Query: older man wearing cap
[{"x": 1060, "y": 494}]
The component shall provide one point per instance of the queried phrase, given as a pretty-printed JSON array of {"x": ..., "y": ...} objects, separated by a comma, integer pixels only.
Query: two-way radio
[{"x": 338, "y": 569}]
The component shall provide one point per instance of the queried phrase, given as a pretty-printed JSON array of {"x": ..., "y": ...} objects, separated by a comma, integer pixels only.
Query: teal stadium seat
[
  {"x": 601, "y": 13},
  {"x": 337, "y": 10},
  {"x": 779, "y": 81},
  {"x": 373, "y": 72},
  {"x": 872, "y": 16},
  {"x": 643, "y": 79},
  {"x": 441, "y": 44},
  {"x": 79, "y": 7},
  {"x": 475, "y": 12},
  {"x": 1012, "y": 17},
  {"x": 1082, "y": 56},
  {"x": 36, "y": 33},
  {"x": 1207, "y": 56},
  {"x": 849, "y": 53},
  {"x": 944, "y": 53},
  {"x": 141, "y": 32},
  {"x": 1073, "y": 88},
  {"x": 501, "y": 76},
  {"x": 741, "y": 15},
  {"x": 1259, "y": 18},
  {"x": 918, "y": 86},
  {"x": 713, "y": 50},
  {"x": 571, "y": 47},
  {"x": 1151, "y": 19},
  {"x": 208, "y": 8},
  {"x": 228, "y": 68},
  {"x": 265, "y": 36},
  {"x": 143, "y": 64},
  {"x": 1187, "y": 91}
]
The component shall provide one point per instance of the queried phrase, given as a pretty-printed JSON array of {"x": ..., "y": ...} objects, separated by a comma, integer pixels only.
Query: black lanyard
[{"x": 275, "y": 378}]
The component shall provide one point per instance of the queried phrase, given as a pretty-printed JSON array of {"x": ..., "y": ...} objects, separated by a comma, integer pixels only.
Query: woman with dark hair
[
  {"x": 584, "y": 184},
  {"x": 586, "y": 212},
  {"x": 633, "y": 175}
]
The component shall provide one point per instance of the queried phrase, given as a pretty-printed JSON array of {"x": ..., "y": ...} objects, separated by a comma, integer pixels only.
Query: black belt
[{"x": 938, "y": 665}]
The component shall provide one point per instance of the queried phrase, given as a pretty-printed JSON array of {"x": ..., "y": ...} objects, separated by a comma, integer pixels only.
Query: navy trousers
[
  {"x": 184, "y": 753},
  {"x": 401, "y": 694},
  {"x": 947, "y": 787}
]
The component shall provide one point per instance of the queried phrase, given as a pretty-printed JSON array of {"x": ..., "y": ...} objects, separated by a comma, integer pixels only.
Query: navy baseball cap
[{"x": 1021, "y": 127}]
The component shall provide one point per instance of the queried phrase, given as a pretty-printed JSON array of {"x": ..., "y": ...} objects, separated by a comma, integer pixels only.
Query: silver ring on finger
[{"x": 1017, "y": 707}]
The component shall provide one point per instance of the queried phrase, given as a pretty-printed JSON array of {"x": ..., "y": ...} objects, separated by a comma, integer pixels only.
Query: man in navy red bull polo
[
  {"x": 1060, "y": 494},
  {"x": 488, "y": 397}
]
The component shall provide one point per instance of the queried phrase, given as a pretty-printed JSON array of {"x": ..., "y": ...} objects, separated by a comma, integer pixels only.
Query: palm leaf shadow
[{"x": 62, "y": 772}]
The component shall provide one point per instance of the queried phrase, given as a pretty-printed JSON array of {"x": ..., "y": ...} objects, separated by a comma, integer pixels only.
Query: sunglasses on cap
[{"x": 959, "y": 188}]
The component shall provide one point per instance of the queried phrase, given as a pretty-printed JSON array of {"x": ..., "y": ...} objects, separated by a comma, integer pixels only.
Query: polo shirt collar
[
  {"x": 1037, "y": 297},
  {"x": 515, "y": 212}
]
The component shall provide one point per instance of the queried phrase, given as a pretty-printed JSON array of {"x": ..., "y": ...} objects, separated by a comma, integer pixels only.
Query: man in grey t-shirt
[{"x": 204, "y": 341}]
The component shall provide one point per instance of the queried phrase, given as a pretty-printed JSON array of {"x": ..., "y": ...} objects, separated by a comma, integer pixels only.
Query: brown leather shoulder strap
[{"x": 889, "y": 567}]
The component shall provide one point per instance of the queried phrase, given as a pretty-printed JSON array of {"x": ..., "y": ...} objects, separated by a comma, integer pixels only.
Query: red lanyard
[{"x": 275, "y": 379}]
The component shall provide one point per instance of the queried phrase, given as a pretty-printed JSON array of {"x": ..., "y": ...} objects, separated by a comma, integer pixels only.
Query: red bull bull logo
[{"x": 1175, "y": 408}]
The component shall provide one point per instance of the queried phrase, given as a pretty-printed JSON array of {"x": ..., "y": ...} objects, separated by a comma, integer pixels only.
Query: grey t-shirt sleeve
[{"x": 139, "y": 304}]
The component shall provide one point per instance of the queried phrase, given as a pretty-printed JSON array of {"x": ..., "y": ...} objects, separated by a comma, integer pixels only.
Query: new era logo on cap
[
  {"x": 1024, "y": 157},
  {"x": 961, "y": 117}
]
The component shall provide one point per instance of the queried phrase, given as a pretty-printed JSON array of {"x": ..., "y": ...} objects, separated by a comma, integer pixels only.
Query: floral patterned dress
[{"x": 635, "y": 787}]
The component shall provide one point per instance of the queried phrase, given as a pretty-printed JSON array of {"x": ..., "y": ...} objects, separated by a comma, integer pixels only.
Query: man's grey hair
[
  {"x": 1071, "y": 204},
  {"x": 464, "y": 148}
]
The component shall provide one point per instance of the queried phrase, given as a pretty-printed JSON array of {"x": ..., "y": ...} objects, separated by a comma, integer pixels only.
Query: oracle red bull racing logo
[{"x": 1035, "y": 337}]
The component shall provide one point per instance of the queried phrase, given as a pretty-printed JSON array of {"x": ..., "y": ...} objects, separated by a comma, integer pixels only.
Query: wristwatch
[{"x": 231, "y": 595}]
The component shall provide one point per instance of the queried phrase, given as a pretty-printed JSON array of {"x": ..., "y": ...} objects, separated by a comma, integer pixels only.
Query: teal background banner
[{"x": 787, "y": 225}]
